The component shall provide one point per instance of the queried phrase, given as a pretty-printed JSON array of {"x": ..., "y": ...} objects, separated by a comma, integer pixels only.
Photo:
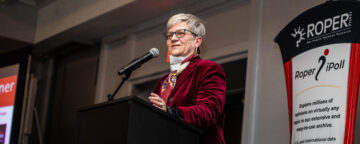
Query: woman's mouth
[{"x": 175, "y": 46}]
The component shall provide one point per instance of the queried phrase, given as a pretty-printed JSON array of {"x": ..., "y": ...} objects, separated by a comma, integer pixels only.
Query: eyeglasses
[{"x": 179, "y": 33}]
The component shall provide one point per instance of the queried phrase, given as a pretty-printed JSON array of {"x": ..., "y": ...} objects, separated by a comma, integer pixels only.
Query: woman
[{"x": 194, "y": 90}]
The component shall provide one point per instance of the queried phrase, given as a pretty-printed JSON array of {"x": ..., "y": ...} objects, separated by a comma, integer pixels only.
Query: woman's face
[{"x": 184, "y": 46}]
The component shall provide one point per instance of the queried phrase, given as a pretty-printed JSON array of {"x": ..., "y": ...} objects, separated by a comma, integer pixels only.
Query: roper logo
[
  {"x": 330, "y": 66},
  {"x": 323, "y": 29},
  {"x": 298, "y": 32}
]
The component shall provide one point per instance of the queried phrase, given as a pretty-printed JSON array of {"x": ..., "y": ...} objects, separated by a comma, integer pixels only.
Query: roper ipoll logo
[
  {"x": 323, "y": 29},
  {"x": 322, "y": 59},
  {"x": 330, "y": 66}
]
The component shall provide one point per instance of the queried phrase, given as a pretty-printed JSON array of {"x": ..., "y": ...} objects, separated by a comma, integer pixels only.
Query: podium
[{"x": 132, "y": 120}]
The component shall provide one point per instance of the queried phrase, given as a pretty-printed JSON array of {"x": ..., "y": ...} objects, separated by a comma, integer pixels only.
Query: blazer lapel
[{"x": 185, "y": 74}]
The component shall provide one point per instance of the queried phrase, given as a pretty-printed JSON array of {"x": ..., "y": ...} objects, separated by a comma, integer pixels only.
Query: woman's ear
[{"x": 198, "y": 41}]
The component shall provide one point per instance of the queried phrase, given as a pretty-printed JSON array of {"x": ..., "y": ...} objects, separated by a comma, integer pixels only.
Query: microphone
[{"x": 153, "y": 52}]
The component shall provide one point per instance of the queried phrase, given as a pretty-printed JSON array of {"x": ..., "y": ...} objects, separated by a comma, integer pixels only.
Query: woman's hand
[{"x": 157, "y": 101}]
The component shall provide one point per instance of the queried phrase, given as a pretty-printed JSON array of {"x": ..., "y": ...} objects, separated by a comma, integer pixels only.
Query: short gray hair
[{"x": 194, "y": 23}]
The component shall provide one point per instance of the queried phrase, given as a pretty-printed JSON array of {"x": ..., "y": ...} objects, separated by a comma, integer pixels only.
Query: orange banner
[{"x": 7, "y": 90}]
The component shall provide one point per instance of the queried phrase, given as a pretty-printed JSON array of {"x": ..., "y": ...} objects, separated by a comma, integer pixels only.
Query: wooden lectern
[{"x": 131, "y": 120}]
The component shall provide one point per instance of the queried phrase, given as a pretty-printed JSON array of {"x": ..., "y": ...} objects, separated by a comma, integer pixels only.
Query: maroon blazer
[{"x": 199, "y": 94}]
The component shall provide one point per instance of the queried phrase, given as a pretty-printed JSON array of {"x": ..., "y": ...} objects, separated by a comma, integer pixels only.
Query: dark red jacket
[{"x": 199, "y": 94}]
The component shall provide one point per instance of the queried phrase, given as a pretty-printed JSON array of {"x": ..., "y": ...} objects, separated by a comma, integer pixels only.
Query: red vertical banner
[
  {"x": 353, "y": 90},
  {"x": 288, "y": 76}
]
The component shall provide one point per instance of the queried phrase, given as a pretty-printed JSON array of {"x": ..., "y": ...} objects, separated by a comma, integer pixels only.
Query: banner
[
  {"x": 8, "y": 83},
  {"x": 321, "y": 54}
]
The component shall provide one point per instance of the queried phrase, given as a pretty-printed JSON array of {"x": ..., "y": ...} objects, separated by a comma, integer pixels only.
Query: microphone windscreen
[{"x": 154, "y": 51}]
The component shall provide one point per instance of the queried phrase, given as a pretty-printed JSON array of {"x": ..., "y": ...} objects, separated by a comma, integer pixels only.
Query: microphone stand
[{"x": 126, "y": 76}]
